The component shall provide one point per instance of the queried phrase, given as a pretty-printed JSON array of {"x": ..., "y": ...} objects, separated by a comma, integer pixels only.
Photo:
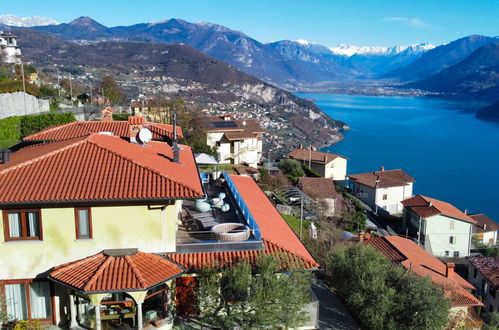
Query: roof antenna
[{"x": 175, "y": 147}]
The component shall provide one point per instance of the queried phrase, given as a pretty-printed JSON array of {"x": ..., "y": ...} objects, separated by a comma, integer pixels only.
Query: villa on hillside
[
  {"x": 9, "y": 50},
  {"x": 483, "y": 272},
  {"x": 382, "y": 190},
  {"x": 237, "y": 141},
  {"x": 412, "y": 257},
  {"x": 485, "y": 229},
  {"x": 111, "y": 230},
  {"x": 328, "y": 165},
  {"x": 439, "y": 227}
]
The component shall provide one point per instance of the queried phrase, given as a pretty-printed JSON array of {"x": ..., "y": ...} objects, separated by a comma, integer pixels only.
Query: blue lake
[{"x": 452, "y": 155}]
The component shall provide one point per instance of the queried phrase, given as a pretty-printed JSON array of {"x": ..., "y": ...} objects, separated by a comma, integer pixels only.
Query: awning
[
  {"x": 117, "y": 270},
  {"x": 203, "y": 158}
]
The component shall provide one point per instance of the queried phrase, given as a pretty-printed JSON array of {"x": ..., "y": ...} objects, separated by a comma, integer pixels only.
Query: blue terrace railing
[{"x": 242, "y": 206}]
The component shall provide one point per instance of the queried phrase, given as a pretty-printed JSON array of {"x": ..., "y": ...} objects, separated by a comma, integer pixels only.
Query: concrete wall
[
  {"x": 12, "y": 104},
  {"x": 437, "y": 232},
  {"x": 148, "y": 229}
]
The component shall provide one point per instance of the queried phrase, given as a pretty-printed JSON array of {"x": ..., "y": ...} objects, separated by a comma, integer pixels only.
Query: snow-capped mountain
[
  {"x": 350, "y": 50},
  {"x": 13, "y": 20}
]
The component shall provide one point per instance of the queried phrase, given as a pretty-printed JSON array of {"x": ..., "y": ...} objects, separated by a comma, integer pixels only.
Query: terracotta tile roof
[
  {"x": 484, "y": 223},
  {"x": 489, "y": 267},
  {"x": 98, "y": 168},
  {"x": 272, "y": 226},
  {"x": 193, "y": 262},
  {"x": 383, "y": 179},
  {"x": 241, "y": 127},
  {"x": 427, "y": 207},
  {"x": 408, "y": 254},
  {"x": 85, "y": 128},
  {"x": 246, "y": 170},
  {"x": 105, "y": 271},
  {"x": 315, "y": 156},
  {"x": 318, "y": 187}
]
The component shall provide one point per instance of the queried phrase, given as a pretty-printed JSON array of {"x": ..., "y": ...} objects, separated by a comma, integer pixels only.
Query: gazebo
[{"x": 115, "y": 283}]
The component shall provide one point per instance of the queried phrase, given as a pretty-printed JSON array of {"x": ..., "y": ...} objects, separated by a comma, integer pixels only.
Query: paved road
[{"x": 332, "y": 313}]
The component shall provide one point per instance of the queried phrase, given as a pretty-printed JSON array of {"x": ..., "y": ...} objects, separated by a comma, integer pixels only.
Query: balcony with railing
[{"x": 221, "y": 222}]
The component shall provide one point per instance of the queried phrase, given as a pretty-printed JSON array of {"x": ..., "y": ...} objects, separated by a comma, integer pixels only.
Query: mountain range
[
  {"x": 177, "y": 70},
  {"x": 13, "y": 20}
]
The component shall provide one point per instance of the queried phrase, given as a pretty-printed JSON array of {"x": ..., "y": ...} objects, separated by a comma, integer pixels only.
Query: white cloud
[{"x": 410, "y": 21}]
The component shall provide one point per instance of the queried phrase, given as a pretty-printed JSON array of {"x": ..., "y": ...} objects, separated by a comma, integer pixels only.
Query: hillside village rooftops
[
  {"x": 233, "y": 129},
  {"x": 489, "y": 267},
  {"x": 313, "y": 155},
  {"x": 98, "y": 168},
  {"x": 484, "y": 223},
  {"x": 427, "y": 207},
  {"x": 118, "y": 128},
  {"x": 318, "y": 187},
  {"x": 412, "y": 257},
  {"x": 110, "y": 271},
  {"x": 383, "y": 179}
]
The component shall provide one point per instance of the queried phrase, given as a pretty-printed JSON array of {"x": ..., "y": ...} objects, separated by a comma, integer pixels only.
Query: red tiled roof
[
  {"x": 193, "y": 262},
  {"x": 85, "y": 128},
  {"x": 427, "y": 207},
  {"x": 272, "y": 226},
  {"x": 489, "y": 267},
  {"x": 315, "y": 156},
  {"x": 244, "y": 128},
  {"x": 484, "y": 223},
  {"x": 318, "y": 187},
  {"x": 383, "y": 179},
  {"x": 106, "y": 271},
  {"x": 98, "y": 168},
  {"x": 407, "y": 253}
]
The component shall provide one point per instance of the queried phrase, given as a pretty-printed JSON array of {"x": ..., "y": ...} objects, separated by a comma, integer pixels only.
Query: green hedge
[
  {"x": 15, "y": 128},
  {"x": 16, "y": 86},
  {"x": 120, "y": 116}
]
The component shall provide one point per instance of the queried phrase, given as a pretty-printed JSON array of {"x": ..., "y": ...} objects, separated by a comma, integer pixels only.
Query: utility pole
[
  {"x": 70, "y": 89},
  {"x": 310, "y": 157},
  {"x": 301, "y": 215},
  {"x": 91, "y": 98},
  {"x": 24, "y": 88}
]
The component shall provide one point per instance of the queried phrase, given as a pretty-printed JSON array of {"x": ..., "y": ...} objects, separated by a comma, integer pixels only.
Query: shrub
[
  {"x": 32, "y": 124},
  {"x": 120, "y": 116},
  {"x": 291, "y": 168}
]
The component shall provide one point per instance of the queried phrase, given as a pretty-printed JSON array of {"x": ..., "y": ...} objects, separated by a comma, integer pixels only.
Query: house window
[
  {"x": 451, "y": 224},
  {"x": 28, "y": 300},
  {"x": 452, "y": 239},
  {"x": 385, "y": 197},
  {"x": 83, "y": 219},
  {"x": 446, "y": 253},
  {"x": 456, "y": 254},
  {"x": 22, "y": 225}
]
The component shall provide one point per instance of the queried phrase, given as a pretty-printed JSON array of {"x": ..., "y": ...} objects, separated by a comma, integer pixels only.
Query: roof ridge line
[
  {"x": 41, "y": 157},
  {"x": 97, "y": 273},
  {"x": 77, "y": 262},
  {"x": 130, "y": 263},
  {"x": 51, "y": 128},
  {"x": 139, "y": 164}
]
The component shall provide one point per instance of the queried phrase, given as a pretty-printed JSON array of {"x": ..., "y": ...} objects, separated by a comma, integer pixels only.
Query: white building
[
  {"x": 485, "y": 230},
  {"x": 383, "y": 190},
  {"x": 439, "y": 227},
  {"x": 9, "y": 49},
  {"x": 238, "y": 141},
  {"x": 483, "y": 273},
  {"x": 328, "y": 165}
]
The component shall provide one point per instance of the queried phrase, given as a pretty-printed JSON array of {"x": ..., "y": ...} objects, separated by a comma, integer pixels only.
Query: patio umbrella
[{"x": 203, "y": 158}]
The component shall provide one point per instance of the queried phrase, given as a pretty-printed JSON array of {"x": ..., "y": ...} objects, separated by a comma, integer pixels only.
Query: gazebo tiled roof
[{"x": 118, "y": 270}]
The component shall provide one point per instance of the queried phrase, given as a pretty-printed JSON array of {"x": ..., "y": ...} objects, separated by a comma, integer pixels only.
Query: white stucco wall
[
  {"x": 244, "y": 151},
  {"x": 337, "y": 169},
  {"x": 394, "y": 196},
  {"x": 437, "y": 232},
  {"x": 12, "y": 104}
]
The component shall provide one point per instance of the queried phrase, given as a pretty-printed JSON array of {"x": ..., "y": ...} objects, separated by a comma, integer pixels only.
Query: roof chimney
[
  {"x": 176, "y": 149},
  {"x": 449, "y": 270},
  {"x": 466, "y": 211},
  {"x": 107, "y": 113},
  {"x": 484, "y": 226},
  {"x": 430, "y": 203},
  {"x": 5, "y": 156},
  {"x": 135, "y": 125},
  {"x": 382, "y": 169}
]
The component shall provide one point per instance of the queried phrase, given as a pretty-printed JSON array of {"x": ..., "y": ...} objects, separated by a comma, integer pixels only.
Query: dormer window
[{"x": 22, "y": 225}]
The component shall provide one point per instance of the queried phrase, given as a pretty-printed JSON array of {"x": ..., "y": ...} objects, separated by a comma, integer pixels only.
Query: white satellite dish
[{"x": 144, "y": 136}]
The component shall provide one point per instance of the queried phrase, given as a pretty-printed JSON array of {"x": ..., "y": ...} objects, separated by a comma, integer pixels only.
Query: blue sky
[{"x": 328, "y": 22}]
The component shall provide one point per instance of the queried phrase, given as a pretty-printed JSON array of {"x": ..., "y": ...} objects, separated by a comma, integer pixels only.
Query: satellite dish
[{"x": 144, "y": 136}]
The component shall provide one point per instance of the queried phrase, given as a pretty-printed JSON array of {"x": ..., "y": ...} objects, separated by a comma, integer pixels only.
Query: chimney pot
[
  {"x": 135, "y": 125},
  {"x": 484, "y": 226},
  {"x": 107, "y": 114},
  {"x": 449, "y": 271},
  {"x": 5, "y": 156},
  {"x": 382, "y": 168}
]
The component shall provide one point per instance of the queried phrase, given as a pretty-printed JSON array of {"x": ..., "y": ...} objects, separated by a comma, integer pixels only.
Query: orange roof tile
[
  {"x": 85, "y": 128},
  {"x": 407, "y": 253},
  {"x": 488, "y": 266},
  {"x": 383, "y": 179},
  {"x": 114, "y": 270},
  {"x": 193, "y": 262},
  {"x": 98, "y": 168},
  {"x": 315, "y": 156},
  {"x": 272, "y": 226},
  {"x": 484, "y": 223},
  {"x": 427, "y": 207}
]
